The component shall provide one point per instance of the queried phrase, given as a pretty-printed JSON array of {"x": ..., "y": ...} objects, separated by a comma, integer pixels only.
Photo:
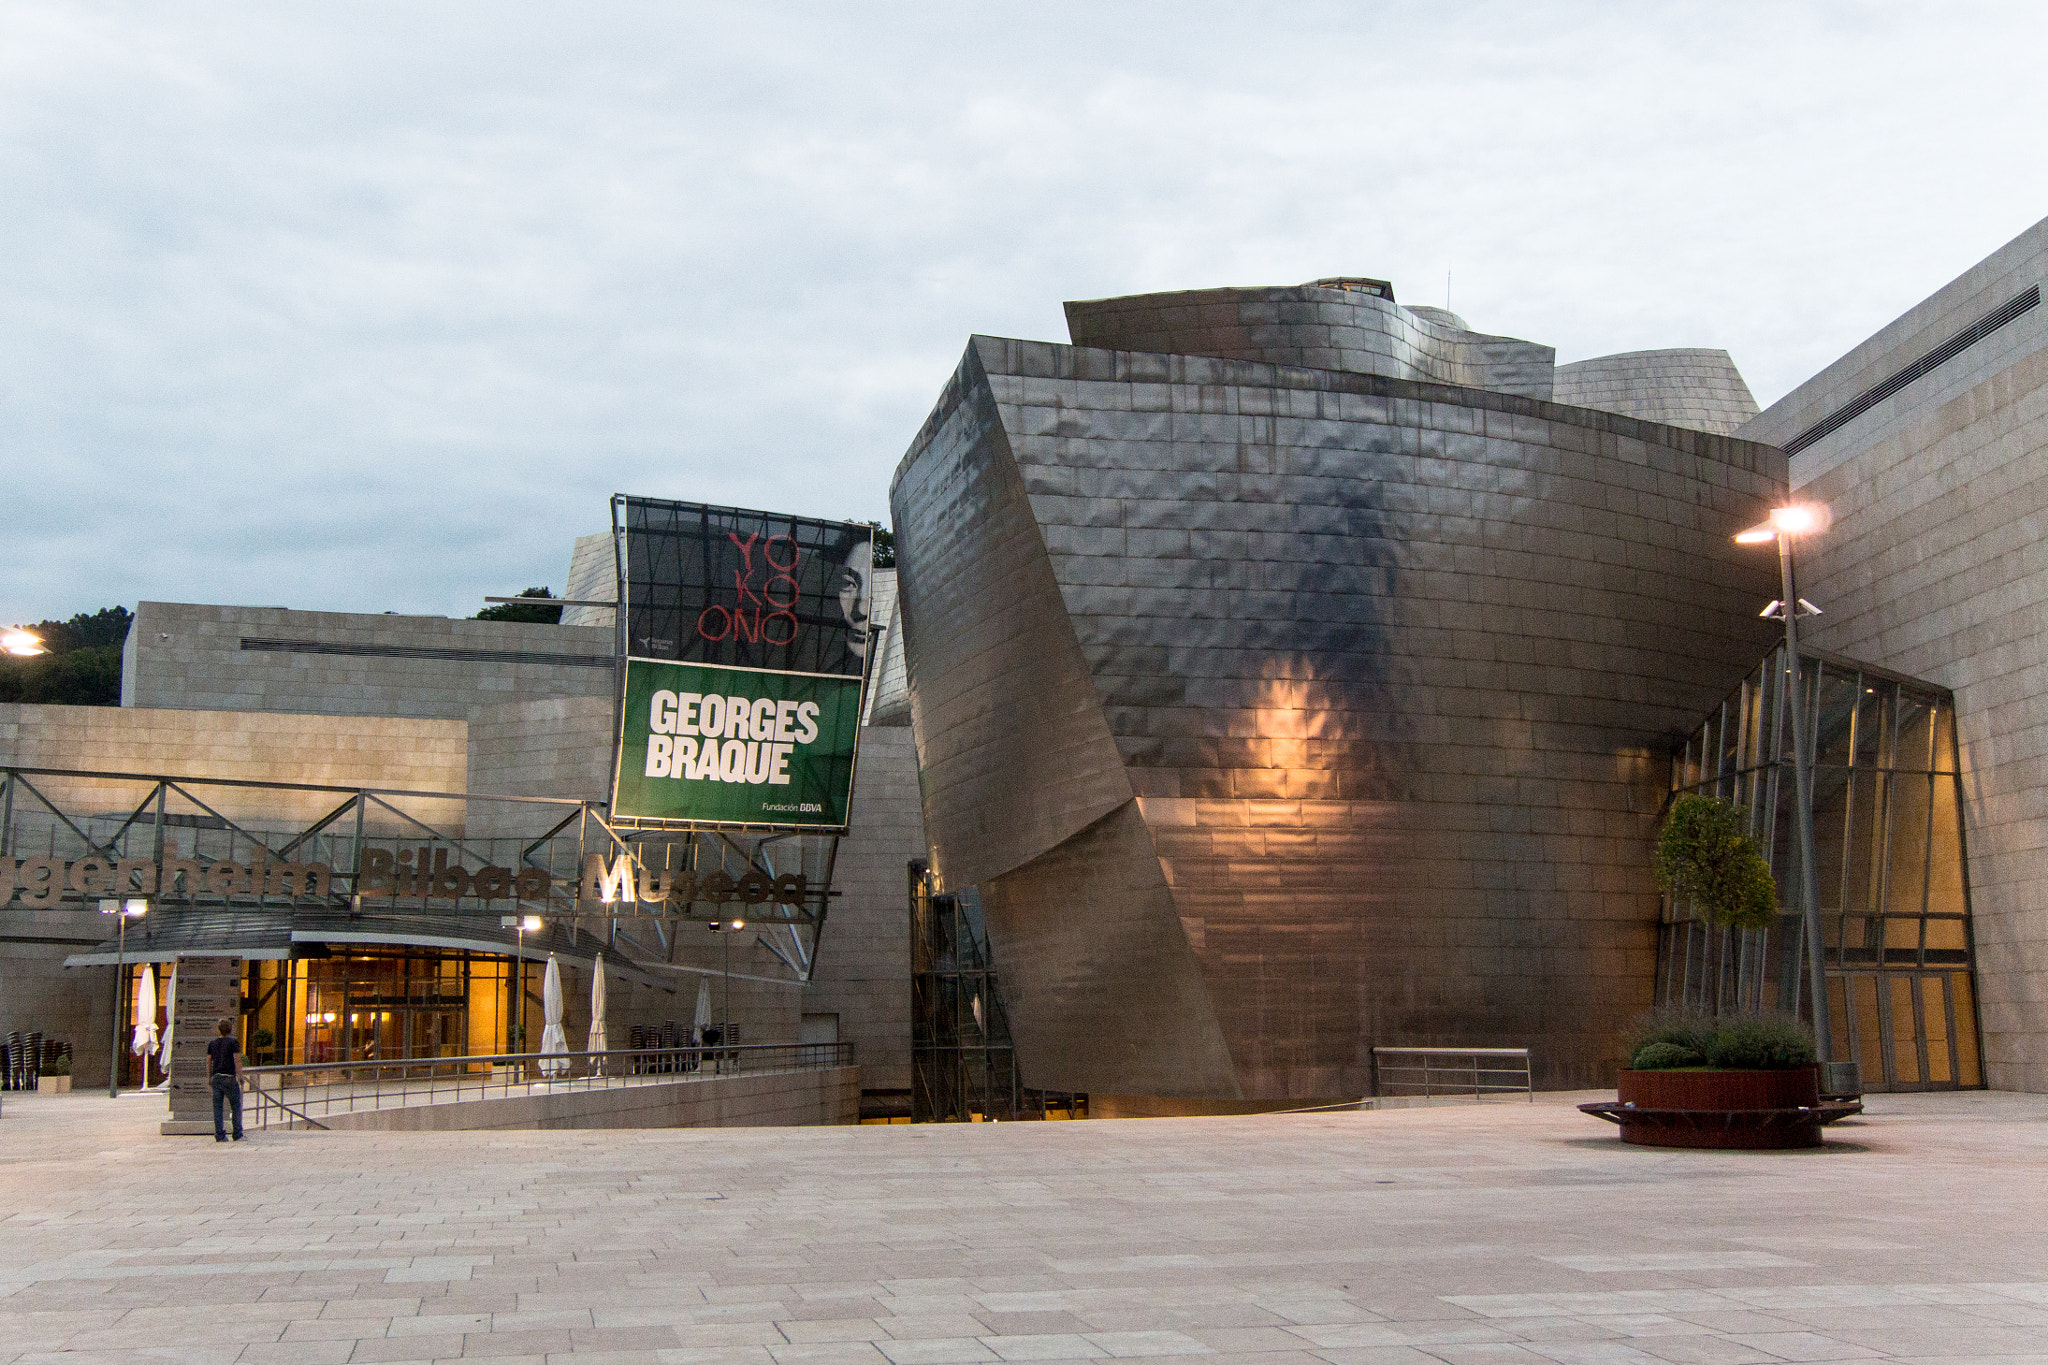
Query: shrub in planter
[
  {"x": 1763, "y": 1042},
  {"x": 1664, "y": 1057},
  {"x": 60, "y": 1066},
  {"x": 1679, "y": 1037}
]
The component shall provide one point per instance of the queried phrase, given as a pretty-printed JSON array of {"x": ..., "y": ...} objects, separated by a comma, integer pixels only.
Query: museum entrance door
[
  {"x": 383, "y": 1003},
  {"x": 1908, "y": 1030}
]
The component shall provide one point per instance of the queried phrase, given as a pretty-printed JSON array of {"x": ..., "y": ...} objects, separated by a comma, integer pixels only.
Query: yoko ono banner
[
  {"x": 720, "y": 585},
  {"x": 735, "y": 745}
]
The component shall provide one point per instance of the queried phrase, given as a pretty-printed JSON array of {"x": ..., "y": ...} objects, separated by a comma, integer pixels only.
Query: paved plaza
[{"x": 1502, "y": 1233}]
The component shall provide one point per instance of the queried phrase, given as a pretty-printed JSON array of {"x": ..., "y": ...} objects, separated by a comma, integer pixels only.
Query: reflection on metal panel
[{"x": 1387, "y": 666}]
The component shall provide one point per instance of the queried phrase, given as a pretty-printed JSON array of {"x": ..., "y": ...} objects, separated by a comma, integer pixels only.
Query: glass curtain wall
[
  {"x": 371, "y": 1004},
  {"x": 1888, "y": 847}
]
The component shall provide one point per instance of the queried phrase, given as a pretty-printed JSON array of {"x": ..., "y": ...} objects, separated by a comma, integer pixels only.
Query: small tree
[
  {"x": 1704, "y": 856},
  {"x": 541, "y": 611}
]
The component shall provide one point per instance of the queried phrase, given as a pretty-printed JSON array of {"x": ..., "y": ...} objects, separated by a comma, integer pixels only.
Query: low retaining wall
[{"x": 780, "y": 1099}]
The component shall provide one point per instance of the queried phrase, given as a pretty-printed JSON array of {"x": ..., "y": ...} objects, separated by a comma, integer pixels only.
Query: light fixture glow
[
  {"x": 1757, "y": 535},
  {"x": 22, "y": 644},
  {"x": 135, "y": 909},
  {"x": 1798, "y": 519},
  {"x": 739, "y": 924},
  {"x": 530, "y": 923}
]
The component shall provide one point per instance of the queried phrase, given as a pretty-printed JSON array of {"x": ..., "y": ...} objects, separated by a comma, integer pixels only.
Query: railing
[
  {"x": 1426, "y": 1072},
  {"x": 301, "y": 1094}
]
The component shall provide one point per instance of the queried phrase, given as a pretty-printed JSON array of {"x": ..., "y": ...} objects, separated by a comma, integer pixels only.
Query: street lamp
[
  {"x": 22, "y": 644},
  {"x": 524, "y": 924},
  {"x": 1784, "y": 525},
  {"x": 123, "y": 911},
  {"x": 728, "y": 927}
]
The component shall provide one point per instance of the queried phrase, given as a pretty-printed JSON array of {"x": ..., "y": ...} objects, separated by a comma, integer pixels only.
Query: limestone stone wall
[
  {"x": 1700, "y": 389},
  {"x": 225, "y": 658},
  {"x": 36, "y": 992},
  {"x": 413, "y": 754},
  {"x": 1934, "y": 567},
  {"x": 1996, "y": 280}
]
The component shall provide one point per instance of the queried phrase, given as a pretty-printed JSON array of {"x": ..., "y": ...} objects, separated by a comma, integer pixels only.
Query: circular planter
[
  {"x": 1741, "y": 1110},
  {"x": 1793, "y": 1089}
]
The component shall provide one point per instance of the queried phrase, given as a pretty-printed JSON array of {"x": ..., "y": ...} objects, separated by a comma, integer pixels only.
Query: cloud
[{"x": 372, "y": 306}]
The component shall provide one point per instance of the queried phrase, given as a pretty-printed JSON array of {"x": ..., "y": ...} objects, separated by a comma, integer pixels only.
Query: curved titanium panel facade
[
  {"x": 1694, "y": 388},
  {"x": 1317, "y": 326},
  {"x": 1278, "y": 713}
]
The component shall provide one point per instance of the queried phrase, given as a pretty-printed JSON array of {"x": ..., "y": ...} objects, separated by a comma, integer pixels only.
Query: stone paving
[{"x": 1502, "y": 1233}]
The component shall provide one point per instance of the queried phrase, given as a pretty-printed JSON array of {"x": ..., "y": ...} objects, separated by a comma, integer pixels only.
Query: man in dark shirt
[{"x": 224, "y": 1074}]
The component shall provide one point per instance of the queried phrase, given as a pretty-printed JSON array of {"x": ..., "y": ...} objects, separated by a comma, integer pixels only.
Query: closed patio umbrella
[
  {"x": 703, "y": 1019},
  {"x": 144, "y": 1041},
  {"x": 552, "y": 1039},
  {"x": 163, "y": 1054},
  {"x": 596, "y": 1041}
]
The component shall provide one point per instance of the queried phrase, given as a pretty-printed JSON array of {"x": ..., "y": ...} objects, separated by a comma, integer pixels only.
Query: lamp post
[
  {"x": 522, "y": 923},
  {"x": 122, "y": 911},
  {"x": 1786, "y": 523},
  {"x": 726, "y": 929}
]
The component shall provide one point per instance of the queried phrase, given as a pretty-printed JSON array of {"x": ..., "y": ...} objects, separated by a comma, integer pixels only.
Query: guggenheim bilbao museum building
[{"x": 1271, "y": 674}]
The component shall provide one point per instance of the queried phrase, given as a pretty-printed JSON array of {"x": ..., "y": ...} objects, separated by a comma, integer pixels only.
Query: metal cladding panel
[
  {"x": 1393, "y": 669},
  {"x": 1016, "y": 759}
]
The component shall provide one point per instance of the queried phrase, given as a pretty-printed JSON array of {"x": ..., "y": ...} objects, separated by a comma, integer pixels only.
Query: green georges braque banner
[
  {"x": 747, "y": 640},
  {"x": 736, "y": 745}
]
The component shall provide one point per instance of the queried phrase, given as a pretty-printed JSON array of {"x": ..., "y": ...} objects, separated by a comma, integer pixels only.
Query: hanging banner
[
  {"x": 721, "y": 585},
  {"x": 736, "y": 746},
  {"x": 747, "y": 643}
]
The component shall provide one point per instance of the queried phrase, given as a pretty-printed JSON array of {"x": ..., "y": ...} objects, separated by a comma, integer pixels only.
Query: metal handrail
[
  {"x": 293, "y": 1093},
  {"x": 1460, "y": 1078}
]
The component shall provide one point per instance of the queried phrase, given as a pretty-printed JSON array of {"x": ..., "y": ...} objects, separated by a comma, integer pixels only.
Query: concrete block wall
[
  {"x": 785, "y": 1099},
  {"x": 224, "y": 658},
  {"x": 1700, "y": 389}
]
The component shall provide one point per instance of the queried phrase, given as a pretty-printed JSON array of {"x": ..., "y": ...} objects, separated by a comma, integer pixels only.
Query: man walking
[{"x": 224, "y": 1074}]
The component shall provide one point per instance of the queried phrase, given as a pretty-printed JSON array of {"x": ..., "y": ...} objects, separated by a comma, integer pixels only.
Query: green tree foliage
[
  {"x": 82, "y": 668},
  {"x": 523, "y": 611},
  {"x": 1704, "y": 856},
  {"x": 885, "y": 544}
]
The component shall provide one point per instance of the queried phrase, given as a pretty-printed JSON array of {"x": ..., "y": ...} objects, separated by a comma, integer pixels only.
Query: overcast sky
[{"x": 371, "y": 307}]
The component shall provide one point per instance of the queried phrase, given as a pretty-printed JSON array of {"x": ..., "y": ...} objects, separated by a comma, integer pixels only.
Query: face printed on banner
[{"x": 856, "y": 593}]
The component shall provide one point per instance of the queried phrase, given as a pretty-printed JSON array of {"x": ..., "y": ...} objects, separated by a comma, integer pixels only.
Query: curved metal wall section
[
  {"x": 1320, "y": 328},
  {"x": 1280, "y": 713},
  {"x": 1700, "y": 389}
]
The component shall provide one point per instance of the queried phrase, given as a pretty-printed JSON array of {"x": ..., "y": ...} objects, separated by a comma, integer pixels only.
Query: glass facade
[
  {"x": 382, "y": 1004},
  {"x": 1889, "y": 852}
]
